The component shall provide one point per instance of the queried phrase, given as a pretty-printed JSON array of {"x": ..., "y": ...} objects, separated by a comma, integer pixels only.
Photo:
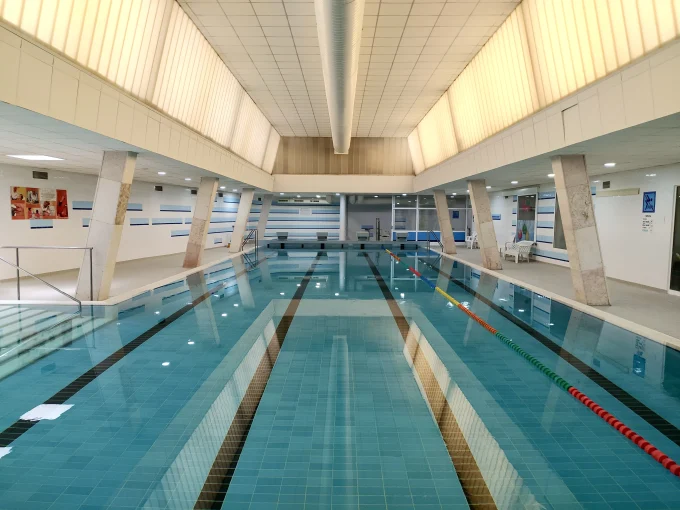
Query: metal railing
[
  {"x": 251, "y": 236},
  {"x": 436, "y": 238},
  {"x": 80, "y": 305},
  {"x": 19, "y": 269}
]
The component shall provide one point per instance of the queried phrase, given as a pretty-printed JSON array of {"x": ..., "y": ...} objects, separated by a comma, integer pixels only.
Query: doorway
[{"x": 675, "y": 245}]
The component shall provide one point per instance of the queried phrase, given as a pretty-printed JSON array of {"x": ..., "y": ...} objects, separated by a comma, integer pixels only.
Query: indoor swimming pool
[{"x": 308, "y": 379}]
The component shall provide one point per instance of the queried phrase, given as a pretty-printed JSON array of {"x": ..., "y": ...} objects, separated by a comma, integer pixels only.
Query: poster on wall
[{"x": 38, "y": 203}]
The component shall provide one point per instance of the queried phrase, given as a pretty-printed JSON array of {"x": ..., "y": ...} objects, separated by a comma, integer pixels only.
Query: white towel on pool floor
[{"x": 46, "y": 412}]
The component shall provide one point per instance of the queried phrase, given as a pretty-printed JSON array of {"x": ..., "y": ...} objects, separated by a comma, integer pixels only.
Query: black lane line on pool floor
[
  {"x": 18, "y": 428},
  {"x": 222, "y": 470},
  {"x": 471, "y": 480},
  {"x": 655, "y": 420}
]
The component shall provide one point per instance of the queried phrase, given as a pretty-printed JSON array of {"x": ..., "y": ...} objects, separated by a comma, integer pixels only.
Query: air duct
[{"x": 339, "y": 24}]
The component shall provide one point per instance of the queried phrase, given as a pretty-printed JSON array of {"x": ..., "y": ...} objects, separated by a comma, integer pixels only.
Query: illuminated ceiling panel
[{"x": 410, "y": 54}]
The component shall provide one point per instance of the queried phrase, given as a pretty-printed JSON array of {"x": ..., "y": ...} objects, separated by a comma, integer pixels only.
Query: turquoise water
[{"x": 335, "y": 380}]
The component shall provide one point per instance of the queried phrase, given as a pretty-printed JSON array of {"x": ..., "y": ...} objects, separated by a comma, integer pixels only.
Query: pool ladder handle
[{"x": 436, "y": 238}]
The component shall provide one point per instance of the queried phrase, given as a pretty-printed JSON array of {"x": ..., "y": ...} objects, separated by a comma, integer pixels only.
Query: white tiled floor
[
  {"x": 128, "y": 276},
  {"x": 654, "y": 309}
]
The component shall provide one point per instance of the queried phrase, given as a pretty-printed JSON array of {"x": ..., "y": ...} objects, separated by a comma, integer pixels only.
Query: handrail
[
  {"x": 252, "y": 235},
  {"x": 17, "y": 248},
  {"x": 80, "y": 305},
  {"x": 435, "y": 238},
  {"x": 50, "y": 247}
]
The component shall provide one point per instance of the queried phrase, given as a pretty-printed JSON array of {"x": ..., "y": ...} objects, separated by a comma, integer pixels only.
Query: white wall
[
  {"x": 629, "y": 253},
  {"x": 137, "y": 241}
]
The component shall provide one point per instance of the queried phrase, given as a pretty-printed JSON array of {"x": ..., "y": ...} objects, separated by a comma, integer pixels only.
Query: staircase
[{"x": 29, "y": 333}]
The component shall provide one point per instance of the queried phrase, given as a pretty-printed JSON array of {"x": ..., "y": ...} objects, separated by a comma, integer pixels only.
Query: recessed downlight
[
  {"x": 375, "y": 196},
  {"x": 187, "y": 178},
  {"x": 488, "y": 187},
  {"x": 551, "y": 175},
  {"x": 161, "y": 173},
  {"x": 611, "y": 164},
  {"x": 222, "y": 187},
  {"x": 453, "y": 194},
  {"x": 281, "y": 194},
  {"x": 514, "y": 182},
  {"x": 34, "y": 157}
]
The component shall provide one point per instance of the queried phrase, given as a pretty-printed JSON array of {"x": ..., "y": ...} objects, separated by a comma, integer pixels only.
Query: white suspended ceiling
[{"x": 411, "y": 51}]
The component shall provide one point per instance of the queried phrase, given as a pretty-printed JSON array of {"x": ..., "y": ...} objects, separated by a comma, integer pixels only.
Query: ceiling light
[
  {"x": 236, "y": 305},
  {"x": 318, "y": 196},
  {"x": 468, "y": 191},
  {"x": 650, "y": 175},
  {"x": 282, "y": 293},
  {"x": 403, "y": 194},
  {"x": 514, "y": 182},
  {"x": 298, "y": 196},
  {"x": 337, "y": 194},
  {"x": 161, "y": 173},
  {"x": 224, "y": 315},
  {"x": 191, "y": 342},
  {"x": 453, "y": 194},
  {"x": 488, "y": 187},
  {"x": 551, "y": 175},
  {"x": 375, "y": 196},
  {"x": 235, "y": 190},
  {"x": 521, "y": 310},
  {"x": 281, "y": 193},
  {"x": 187, "y": 178},
  {"x": 222, "y": 187},
  {"x": 337, "y": 293},
  {"x": 165, "y": 363},
  {"x": 30, "y": 157},
  {"x": 610, "y": 165},
  {"x": 596, "y": 181}
]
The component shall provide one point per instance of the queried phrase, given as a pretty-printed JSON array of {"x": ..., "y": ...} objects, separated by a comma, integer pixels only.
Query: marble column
[
  {"x": 264, "y": 216},
  {"x": 486, "y": 235},
  {"x": 580, "y": 231},
  {"x": 106, "y": 224},
  {"x": 241, "y": 223},
  {"x": 444, "y": 218},
  {"x": 343, "y": 218},
  {"x": 200, "y": 222}
]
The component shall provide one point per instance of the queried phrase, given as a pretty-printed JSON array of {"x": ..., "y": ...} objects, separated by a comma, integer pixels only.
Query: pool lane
[
  {"x": 596, "y": 465},
  {"x": 343, "y": 423}
]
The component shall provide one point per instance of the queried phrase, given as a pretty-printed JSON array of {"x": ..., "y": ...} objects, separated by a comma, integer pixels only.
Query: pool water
[{"x": 332, "y": 380}]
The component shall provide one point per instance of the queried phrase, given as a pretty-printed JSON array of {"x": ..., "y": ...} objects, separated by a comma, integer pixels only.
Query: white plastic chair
[
  {"x": 471, "y": 241},
  {"x": 519, "y": 250}
]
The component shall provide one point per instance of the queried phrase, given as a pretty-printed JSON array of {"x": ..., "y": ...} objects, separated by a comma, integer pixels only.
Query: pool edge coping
[{"x": 614, "y": 319}]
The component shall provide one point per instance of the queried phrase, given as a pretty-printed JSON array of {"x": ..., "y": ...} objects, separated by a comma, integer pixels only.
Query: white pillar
[
  {"x": 444, "y": 218},
  {"x": 245, "y": 292},
  {"x": 106, "y": 225},
  {"x": 343, "y": 218},
  {"x": 486, "y": 235},
  {"x": 200, "y": 222},
  {"x": 264, "y": 215},
  {"x": 241, "y": 219},
  {"x": 580, "y": 230}
]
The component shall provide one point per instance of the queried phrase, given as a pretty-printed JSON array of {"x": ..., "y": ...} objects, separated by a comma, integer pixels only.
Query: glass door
[
  {"x": 526, "y": 218},
  {"x": 675, "y": 255}
]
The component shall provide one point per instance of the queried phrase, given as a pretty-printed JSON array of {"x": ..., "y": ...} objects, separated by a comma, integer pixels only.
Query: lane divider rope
[{"x": 618, "y": 425}]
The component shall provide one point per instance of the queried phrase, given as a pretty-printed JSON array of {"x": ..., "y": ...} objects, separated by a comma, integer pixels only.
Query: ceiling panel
[{"x": 411, "y": 51}]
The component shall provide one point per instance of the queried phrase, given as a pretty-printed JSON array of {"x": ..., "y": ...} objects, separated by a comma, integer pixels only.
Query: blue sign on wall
[
  {"x": 455, "y": 214},
  {"x": 649, "y": 202}
]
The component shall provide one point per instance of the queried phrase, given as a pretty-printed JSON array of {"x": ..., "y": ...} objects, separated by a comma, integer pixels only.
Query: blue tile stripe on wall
[
  {"x": 134, "y": 207},
  {"x": 42, "y": 224},
  {"x": 167, "y": 221},
  {"x": 179, "y": 233},
  {"x": 546, "y": 209},
  {"x": 86, "y": 222},
  {"x": 175, "y": 208},
  {"x": 544, "y": 239},
  {"x": 496, "y": 217},
  {"x": 136, "y": 222},
  {"x": 81, "y": 205},
  {"x": 545, "y": 224},
  {"x": 546, "y": 195}
]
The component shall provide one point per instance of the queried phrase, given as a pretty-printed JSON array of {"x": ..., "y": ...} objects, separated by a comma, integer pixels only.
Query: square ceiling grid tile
[{"x": 411, "y": 51}]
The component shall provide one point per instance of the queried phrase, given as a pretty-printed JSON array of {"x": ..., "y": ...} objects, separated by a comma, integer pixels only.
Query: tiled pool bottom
[
  {"x": 346, "y": 418},
  {"x": 343, "y": 425}
]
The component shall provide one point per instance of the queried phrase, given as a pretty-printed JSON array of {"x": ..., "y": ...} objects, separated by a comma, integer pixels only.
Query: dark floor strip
[
  {"x": 474, "y": 486},
  {"x": 217, "y": 482},
  {"x": 14, "y": 431},
  {"x": 655, "y": 420}
]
